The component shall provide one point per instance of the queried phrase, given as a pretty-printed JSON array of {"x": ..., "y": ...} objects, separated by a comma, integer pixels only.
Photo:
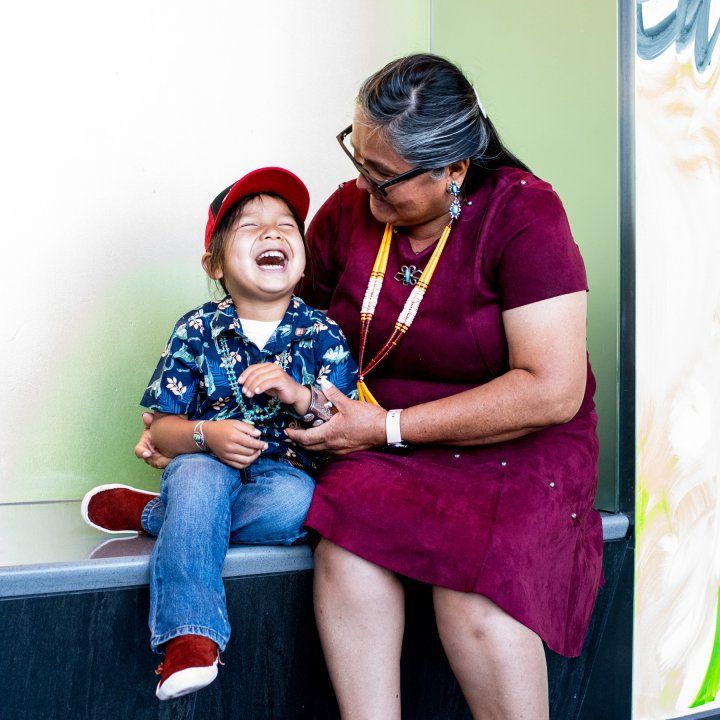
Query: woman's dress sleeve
[{"x": 535, "y": 257}]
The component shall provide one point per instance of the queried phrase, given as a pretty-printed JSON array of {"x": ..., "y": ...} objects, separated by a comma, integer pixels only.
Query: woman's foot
[
  {"x": 115, "y": 508},
  {"x": 191, "y": 663}
]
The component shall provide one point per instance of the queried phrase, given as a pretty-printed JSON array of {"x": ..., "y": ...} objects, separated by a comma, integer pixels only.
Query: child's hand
[
  {"x": 270, "y": 378},
  {"x": 234, "y": 442}
]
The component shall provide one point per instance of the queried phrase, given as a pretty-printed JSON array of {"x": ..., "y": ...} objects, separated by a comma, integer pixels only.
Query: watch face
[{"x": 401, "y": 448}]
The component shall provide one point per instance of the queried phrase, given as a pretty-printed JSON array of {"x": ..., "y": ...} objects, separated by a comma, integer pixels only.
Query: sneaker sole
[
  {"x": 187, "y": 681},
  {"x": 90, "y": 494}
]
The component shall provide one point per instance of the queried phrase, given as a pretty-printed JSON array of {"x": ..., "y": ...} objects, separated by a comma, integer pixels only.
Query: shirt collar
[
  {"x": 224, "y": 319},
  {"x": 298, "y": 323}
]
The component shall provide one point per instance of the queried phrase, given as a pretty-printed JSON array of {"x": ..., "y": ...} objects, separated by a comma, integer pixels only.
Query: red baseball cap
[{"x": 275, "y": 180}]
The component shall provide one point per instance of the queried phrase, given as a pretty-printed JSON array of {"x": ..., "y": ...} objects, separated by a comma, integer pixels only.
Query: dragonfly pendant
[{"x": 408, "y": 275}]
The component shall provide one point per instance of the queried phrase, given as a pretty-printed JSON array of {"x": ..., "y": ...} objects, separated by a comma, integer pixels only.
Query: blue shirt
[{"x": 194, "y": 375}]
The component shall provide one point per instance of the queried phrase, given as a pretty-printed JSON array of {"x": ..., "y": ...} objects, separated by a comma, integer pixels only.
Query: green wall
[
  {"x": 153, "y": 157},
  {"x": 547, "y": 75}
]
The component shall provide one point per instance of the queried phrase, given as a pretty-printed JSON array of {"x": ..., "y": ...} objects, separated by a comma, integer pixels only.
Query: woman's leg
[
  {"x": 499, "y": 663},
  {"x": 360, "y": 615},
  {"x": 186, "y": 590}
]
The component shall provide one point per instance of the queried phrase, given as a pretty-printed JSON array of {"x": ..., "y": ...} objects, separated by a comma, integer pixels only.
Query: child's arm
[{"x": 234, "y": 442}]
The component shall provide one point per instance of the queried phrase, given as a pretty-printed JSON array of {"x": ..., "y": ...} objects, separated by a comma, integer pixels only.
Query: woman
[{"x": 483, "y": 484}]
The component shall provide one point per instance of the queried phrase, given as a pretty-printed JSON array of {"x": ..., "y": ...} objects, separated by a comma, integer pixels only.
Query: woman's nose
[{"x": 362, "y": 183}]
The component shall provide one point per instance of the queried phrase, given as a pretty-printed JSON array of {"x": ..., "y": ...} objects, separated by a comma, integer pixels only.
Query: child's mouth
[{"x": 272, "y": 261}]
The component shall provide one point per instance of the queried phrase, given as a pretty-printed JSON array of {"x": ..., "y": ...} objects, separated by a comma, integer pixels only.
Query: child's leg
[
  {"x": 153, "y": 516},
  {"x": 186, "y": 590},
  {"x": 272, "y": 505}
]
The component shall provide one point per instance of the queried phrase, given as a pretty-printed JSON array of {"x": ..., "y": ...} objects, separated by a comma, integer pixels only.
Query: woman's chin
[{"x": 382, "y": 211}]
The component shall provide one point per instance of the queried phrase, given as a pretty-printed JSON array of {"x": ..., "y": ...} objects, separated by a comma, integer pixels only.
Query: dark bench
[{"x": 73, "y": 608}]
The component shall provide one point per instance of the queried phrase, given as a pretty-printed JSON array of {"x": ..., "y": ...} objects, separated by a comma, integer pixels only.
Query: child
[{"x": 234, "y": 375}]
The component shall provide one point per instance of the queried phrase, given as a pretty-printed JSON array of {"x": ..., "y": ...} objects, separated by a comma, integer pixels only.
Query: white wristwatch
[{"x": 392, "y": 427}]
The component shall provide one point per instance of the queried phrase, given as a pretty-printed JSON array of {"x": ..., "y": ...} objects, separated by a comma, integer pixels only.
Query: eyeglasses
[{"x": 378, "y": 187}]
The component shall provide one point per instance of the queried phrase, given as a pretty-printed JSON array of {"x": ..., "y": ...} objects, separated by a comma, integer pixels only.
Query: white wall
[{"x": 121, "y": 123}]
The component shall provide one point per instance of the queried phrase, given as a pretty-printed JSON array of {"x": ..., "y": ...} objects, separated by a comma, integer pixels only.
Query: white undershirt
[{"x": 259, "y": 331}]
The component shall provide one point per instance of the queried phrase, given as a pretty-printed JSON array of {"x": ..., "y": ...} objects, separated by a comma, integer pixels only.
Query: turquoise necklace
[{"x": 254, "y": 414}]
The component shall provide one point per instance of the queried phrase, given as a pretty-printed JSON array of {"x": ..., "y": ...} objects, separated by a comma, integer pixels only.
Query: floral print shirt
[{"x": 195, "y": 374}]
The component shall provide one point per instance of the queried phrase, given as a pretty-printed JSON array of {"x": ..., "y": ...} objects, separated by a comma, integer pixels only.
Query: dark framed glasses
[{"x": 378, "y": 187}]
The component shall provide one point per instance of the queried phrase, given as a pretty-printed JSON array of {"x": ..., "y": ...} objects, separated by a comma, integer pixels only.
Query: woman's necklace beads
[{"x": 407, "y": 315}]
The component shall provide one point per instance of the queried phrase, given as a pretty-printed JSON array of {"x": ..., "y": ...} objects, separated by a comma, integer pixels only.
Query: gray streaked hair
[{"x": 430, "y": 114}]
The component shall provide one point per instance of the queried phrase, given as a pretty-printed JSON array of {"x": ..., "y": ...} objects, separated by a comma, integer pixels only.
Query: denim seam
[
  {"x": 220, "y": 640},
  {"x": 156, "y": 588},
  {"x": 149, "y": 507}
]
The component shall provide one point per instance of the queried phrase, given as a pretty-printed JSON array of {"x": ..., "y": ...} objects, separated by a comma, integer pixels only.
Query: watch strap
[{"x": 392, "y": 427}]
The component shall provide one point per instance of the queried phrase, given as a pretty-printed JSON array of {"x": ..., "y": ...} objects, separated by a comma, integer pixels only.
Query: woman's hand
[
  {"x": 270, "y": 378},
  {"x": 234, "y": 442},
  {"x": 145, "y": 450},
  {"x": 356, "y": 426}
]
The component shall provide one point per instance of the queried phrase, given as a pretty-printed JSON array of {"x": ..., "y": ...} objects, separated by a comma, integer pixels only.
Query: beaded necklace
[
  {"x": 254, "y": 414},
  {"x": 407, "y": 314}
]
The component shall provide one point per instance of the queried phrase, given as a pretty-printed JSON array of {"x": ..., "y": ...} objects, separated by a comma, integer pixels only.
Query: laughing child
[{"x": 233, "y": 376}]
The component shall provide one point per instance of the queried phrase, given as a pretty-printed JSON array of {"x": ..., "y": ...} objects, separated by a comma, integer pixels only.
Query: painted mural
[{"x": 677, "y": 131}]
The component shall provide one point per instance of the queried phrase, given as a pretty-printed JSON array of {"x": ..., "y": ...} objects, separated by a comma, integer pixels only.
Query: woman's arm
[
  {"x": 145, "y": 450},
  {"x": 544, "y": 386}
]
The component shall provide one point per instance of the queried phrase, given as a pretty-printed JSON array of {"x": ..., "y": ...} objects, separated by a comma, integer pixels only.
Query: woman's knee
[{"x": 476, "y": 614}]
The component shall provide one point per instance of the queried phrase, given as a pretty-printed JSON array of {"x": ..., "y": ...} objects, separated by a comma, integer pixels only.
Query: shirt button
[
  {"x": 574, "y": 516},
  {"x": 552, "y": 484},
  {"x": 523, "y": 182},
  {"x": 456, "y": 455},
  {"x": 469, "y": 202},
  {"x": 503, "y": 463}
]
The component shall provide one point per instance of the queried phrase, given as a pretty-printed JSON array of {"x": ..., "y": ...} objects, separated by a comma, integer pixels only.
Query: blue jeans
[{"x": 203, "y": 506}]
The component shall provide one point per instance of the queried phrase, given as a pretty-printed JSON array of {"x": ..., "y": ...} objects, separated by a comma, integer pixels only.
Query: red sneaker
[
  {"x": 115, "y": 508},
  {"x": 191, "y": 663}
]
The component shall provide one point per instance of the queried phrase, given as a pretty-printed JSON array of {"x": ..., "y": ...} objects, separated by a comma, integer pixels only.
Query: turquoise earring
[{"x": 455, "y": 207}]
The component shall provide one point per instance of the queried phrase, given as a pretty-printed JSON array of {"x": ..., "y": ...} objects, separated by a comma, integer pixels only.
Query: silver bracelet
[
  {"x": 199, "y": 436},
  {"x": 320, "y": 409}
]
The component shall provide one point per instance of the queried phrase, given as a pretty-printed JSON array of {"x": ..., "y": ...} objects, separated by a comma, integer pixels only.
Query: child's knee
[
  {"x": 198, "y": 474},
  {"x": 296, "y": 494}
]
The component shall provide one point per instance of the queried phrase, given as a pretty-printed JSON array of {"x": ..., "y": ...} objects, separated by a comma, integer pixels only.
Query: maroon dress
[{"x": 513, "y": 521}]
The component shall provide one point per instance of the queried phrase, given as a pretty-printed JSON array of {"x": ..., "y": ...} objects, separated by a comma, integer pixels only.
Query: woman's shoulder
[
  {"x": 349, "y": 194},
  {"x": 510, "y": 200},
  {"x": 512, "y": 184},
  {"x": 527, "y": 248},
  {"x": 347, "y": 204}
]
